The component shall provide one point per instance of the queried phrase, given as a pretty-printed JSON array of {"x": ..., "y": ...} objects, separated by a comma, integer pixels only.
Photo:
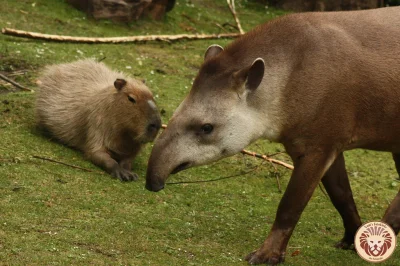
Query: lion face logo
[{"x": 375, "y": 241}]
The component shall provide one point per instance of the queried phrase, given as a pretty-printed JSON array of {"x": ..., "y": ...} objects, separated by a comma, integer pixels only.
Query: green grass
[{"x": 51, "y": 214}]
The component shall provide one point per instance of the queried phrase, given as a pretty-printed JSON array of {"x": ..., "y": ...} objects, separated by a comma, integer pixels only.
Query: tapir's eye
[
  {"x": 130, "y": 98},
  {"x": 207, "y": 128}
]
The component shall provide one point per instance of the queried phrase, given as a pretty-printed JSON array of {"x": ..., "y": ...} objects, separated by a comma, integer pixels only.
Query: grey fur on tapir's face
[
  {"x": 215, "y": 120},
  {"x": 208, "y": 132}
]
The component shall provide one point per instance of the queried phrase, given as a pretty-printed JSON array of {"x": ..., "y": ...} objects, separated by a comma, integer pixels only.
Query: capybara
[{"x": 101, "y": 112}]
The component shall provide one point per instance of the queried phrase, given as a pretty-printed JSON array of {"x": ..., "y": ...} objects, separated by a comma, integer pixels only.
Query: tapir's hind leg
[
  {"x": 396, "y": 158},
  {"x": 337, "y": 185},
  {"x": 392, "y": 214}
]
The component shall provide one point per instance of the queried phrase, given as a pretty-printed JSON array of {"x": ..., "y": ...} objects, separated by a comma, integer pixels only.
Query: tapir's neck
[{"x": 265, "y": 104}]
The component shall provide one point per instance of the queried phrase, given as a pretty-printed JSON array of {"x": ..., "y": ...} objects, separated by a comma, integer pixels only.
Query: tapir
[{"x": 320, "y": 84}]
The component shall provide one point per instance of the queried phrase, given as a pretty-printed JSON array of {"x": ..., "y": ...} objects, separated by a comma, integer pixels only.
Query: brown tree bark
[
  {"x": 325, "y": 5},
  {"x": 123, "y": 10}
]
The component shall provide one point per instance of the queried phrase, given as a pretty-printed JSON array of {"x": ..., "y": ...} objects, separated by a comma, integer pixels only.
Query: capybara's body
[{"x": 101, "y": 112}]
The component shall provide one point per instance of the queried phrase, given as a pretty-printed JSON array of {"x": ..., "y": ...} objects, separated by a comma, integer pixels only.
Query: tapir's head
[{"x": 215, "y": 120}]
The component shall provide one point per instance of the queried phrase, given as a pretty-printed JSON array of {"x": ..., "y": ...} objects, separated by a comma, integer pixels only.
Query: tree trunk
[
  {"x": 123, "y": 10},
  {"x": 325, "y": 5}
]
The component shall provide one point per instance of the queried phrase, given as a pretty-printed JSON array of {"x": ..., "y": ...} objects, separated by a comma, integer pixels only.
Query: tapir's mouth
[{"x": 181, "y": 167}]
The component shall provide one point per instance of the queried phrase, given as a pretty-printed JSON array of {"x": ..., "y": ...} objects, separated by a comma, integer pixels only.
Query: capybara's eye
[
  {"x": 207, "y": 128},
  {"x": 130, "y": 98}
]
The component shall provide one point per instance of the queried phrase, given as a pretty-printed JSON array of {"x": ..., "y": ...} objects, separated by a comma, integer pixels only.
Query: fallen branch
[
  {"x": 231, "y": 4},
  {"x": 66, "y": 164},
  {"x": 143, "y": 38},
  {"x": 14, "y": 83},
  {"x": 261, "y": 156}
]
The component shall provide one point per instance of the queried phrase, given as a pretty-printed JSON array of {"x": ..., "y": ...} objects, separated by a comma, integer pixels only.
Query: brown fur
[
  {"x": 331, "y": 83},
  {"x": 80, "y": 106}
]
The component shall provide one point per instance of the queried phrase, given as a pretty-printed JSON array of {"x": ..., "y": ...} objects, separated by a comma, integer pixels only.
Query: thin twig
[
  {"x": 188, "y": 18},
  {"x": 279, "y": 183},
  {"x": 17, "y": 73},
  {"x": 212, "y": 180},
  {"x": 276, "y": 153},
  {"x": 219, "y": 26},
  {"x": 66, "y": 164},
  {"x": 230, "y": 25},
  {"x": 14, "y": 83},
  {"x": 277, "y": 177},
  {"x": 265, "y": 157},
  {"x": 6, "y": 160},
  {"x": 231, "y": 4},
  {"x": 142, "y": 38}
]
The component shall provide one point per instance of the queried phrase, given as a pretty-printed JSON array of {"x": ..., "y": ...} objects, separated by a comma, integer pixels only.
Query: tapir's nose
[
  {"x": 155, "y": 187},
  {"x": 158, "y": 167}
]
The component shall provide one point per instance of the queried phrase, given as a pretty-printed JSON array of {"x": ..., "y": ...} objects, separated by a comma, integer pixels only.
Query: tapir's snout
[
  {"x": 155, "y": 187},
  {"x": 154, "y": 181},
  {"x": 157, "y": 173},
  {"x": 166, "y": 158}
]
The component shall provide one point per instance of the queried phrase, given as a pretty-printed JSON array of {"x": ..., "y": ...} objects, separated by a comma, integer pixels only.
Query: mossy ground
[{"x": 52, "y": 214}]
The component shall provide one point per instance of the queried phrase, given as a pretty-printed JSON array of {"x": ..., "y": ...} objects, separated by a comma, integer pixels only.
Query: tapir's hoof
[
  {"x": 343, "y": 244},
  {"x": 257, "y": 257}
]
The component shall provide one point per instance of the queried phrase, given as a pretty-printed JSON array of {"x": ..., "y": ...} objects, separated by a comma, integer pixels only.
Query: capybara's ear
[{"x": 119, "y": 83}]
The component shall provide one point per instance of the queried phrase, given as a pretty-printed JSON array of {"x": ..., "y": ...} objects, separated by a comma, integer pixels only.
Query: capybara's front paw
[
  {"x": 124, "y": 175},
  {"x": 259, "y": 257}
]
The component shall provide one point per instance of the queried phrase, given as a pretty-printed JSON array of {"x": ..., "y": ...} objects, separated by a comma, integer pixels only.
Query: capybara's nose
[{"x": 154, "y": 126}]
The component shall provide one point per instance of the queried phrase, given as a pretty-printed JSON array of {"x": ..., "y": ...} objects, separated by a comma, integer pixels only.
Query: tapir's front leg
[
  {"x": 337, "y": 185},
  {"x": 308, "y": 171}
]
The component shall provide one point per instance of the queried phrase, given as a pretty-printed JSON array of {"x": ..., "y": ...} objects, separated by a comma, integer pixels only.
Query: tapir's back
[
  {"x": 348, "y": 77},
  {"x": 374, "y": 29},
  {"x": 331, "y": 69}
]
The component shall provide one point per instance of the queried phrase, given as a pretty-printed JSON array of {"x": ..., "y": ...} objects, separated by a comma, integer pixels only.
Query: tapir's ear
[
  {"x": 212, "y": 51},
  {"x": 251, "y": 76},
  {"x": 256, "y": 74},
  {"x": 119, "y": 84}
]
